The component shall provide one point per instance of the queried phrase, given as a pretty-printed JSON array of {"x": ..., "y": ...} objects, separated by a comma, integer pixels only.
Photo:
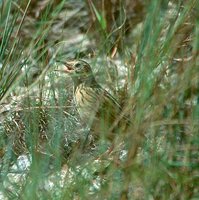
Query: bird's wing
[{"x": 109, "y": 108}]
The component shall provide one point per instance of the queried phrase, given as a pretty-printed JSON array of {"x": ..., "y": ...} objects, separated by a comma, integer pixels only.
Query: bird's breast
[{"x": 87, "y": 102}]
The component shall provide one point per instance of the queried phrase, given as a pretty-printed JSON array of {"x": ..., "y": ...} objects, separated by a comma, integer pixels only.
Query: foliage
[{"x": 148, "y": 61}]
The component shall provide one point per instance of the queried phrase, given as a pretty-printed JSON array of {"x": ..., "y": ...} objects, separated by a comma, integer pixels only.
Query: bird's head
[{"x": 80, "y": 71}]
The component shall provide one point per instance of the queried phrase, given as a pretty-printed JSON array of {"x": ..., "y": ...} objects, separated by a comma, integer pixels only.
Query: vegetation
[{"x": 145, "y": 53}]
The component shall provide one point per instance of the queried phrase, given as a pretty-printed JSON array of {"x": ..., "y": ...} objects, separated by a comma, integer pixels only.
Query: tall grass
[{"x": 154, "y": 74}]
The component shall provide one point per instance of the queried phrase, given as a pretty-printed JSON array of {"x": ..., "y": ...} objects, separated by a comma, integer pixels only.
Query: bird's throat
[{"x": 87, "y": 81}]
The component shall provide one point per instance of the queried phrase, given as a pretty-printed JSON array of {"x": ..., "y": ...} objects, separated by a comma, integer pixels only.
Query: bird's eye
[{"x": 78, "y": 65}]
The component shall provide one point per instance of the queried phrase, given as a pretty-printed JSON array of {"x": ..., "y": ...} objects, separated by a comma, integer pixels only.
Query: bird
[{"x": 97, "y": 108}]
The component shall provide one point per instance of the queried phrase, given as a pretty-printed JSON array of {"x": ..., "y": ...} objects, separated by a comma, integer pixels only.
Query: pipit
[{"x": 97, "y": 108}]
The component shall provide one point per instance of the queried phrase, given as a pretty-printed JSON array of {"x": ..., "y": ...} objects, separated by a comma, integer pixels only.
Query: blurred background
[{"x": 145, "y": 53}]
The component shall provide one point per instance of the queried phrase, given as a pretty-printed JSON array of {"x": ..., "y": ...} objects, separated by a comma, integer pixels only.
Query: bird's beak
[{"x": 67, "y": 68}]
